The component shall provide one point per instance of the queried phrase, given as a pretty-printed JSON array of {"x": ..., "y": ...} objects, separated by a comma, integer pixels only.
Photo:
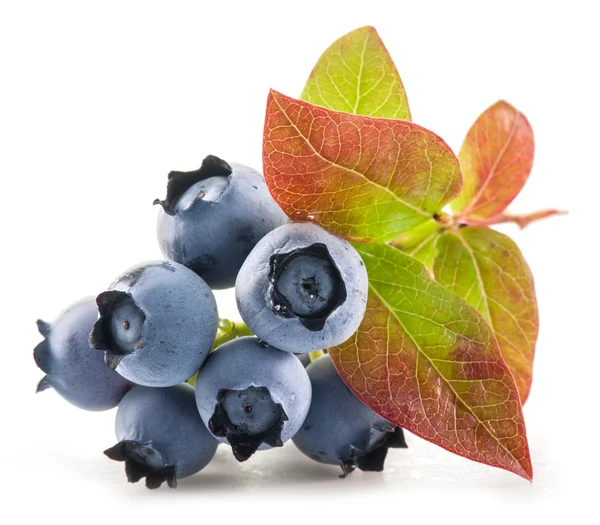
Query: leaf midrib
[
  {"x": 474, "y": 205},
  {"x": 412, "y": 207},
  {"x": 480, "y": 283},
  {"x": 458, "y": 397},
  {"x": 422, "y": 244},
  {"x": 486, "y": 298},
  {"x": 359, "y": 76}
]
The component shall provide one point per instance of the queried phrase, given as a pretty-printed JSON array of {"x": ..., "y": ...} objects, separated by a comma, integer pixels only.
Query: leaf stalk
[{"x": 522, "y": 221}]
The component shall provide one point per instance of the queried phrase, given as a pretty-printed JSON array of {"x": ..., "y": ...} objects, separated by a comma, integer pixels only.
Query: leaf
[
  {"x": 496, "y": 159},
  {"x": 425, "y": 251},
  {"x": 357, "y": 75},
  {"x": 420, "y": 242},
  {"x": 427, "y": 361},
  {"x": 487, "y": 269},
  {"x": 363, "y": 178}
]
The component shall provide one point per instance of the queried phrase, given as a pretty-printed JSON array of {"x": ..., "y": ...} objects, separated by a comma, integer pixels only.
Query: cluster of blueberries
[{"x": 299, "y": 289}]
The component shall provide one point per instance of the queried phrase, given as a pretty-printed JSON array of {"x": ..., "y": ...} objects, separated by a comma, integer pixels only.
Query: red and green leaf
[
  {"x": 496, "y": 159},
  {"x": 427, "y": 361},
  {"x": 357, "y": 75},
  {"x": 420, "y": 242},
  {"x": 487, "y": 269},
  {"x": 425, "y": 251},
  {"x": 365, "y": 179}
]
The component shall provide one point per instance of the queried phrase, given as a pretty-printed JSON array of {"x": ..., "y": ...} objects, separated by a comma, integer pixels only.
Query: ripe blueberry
[
  {"x": 213, "y": 217},
  {"x": 340, "y": 429},
  {"x": 304, "y": 359},
  {"x": 157, "y": 323},
  {"x": 302, "y": 288},
  {"x": 252, "y": 396},
  {"x": 72, "y": 368},
  {"x": 161, "y": 436}
]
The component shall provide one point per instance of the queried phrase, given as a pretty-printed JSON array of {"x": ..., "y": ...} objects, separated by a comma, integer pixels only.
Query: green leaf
[
  {"x": 365, "y": 179},
  {"x": 427, "y": 361},
  {"x": 425, "y": 252},
  {"x": 420, "y": 242},
  {"x": 357, "y": 75},
  {"x": 487, "y": 269}
]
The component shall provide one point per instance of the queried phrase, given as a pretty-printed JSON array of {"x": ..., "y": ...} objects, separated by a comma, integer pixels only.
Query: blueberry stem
[
  {"x": 230, "y": 330},
  {"x": 227, "y": 331},
  {"x": 313, "y": 356}
]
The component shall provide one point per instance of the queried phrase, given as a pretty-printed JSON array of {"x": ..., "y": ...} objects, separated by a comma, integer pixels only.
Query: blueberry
[
  {"x": 213, "y": 217},
  {"x": 340, "y": 429},
  {"x": 157, "y": 323},
  {"x": 304, "y": 359},
  {"x": 161, "y": 436},
  {"x": 302, "y": 289},
  {"x": 252, "y": 396},
  {"x": 72, "y": 368}
]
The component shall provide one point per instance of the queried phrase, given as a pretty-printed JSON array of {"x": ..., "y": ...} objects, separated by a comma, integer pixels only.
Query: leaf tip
[
  {"x": 368, "y": 29},
  {"x": 503, "y": 103},
  {"x": 274, "y": 94},
  {"x": 527, "y": 472},
  {"x": 523, "y": 466}
]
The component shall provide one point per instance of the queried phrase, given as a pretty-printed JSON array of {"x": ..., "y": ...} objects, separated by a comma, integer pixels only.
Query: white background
[{"x": 100, "y": 100}]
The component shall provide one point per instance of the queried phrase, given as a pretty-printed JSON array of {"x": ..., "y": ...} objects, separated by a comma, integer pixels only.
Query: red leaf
[
  {"x": 496, "y": 159},
  {"x": 366, "y": 179},
  {"x": 427, "y": 361}
]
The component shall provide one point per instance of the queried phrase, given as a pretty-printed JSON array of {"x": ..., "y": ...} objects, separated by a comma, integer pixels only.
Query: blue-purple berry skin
[
  {"x": 214, "y": 224},
  {"x": 302, "y": 289},
  {"x": 252, "y": 396},
  {"x": 339, "y": 428},
  {"x": 157, "y": 323},
  {"x": 161, "y": 435},
  {"x": 73, "y": 369},
  {"x": 304, "y": 359}
]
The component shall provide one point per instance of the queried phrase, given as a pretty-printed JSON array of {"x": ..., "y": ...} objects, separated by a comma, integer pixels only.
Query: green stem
[
  {"x": 230, "y": 330},
  {"x": 313, "y": 356},
  {"x": 412, "y": 238},
  {"x": 226, "y": 331}
]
